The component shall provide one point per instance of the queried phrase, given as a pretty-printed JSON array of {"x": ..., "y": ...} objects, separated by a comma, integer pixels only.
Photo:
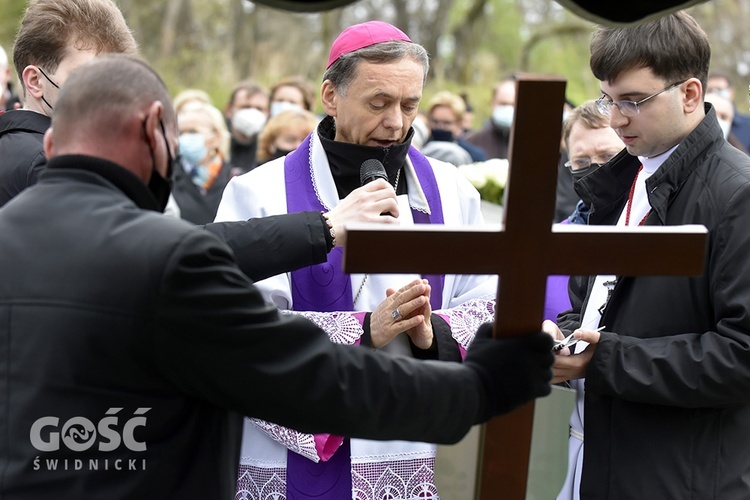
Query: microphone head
[{"x": 370, "y": 170}]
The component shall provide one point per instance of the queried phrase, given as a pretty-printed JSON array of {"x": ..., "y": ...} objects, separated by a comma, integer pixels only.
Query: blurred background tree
[{"x": 212, "y": 44}]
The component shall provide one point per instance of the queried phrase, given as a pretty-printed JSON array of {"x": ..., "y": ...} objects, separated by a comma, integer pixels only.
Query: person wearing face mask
[
  {"x": 283, "y": 133},
  {"x": 494, "y": 136},
  {"x": 246, "y": 114},
  {"x": 291, "y": 93},
  {"x": 445, "y": 114},
  {"x": 725, "y": 116},
  {"x": 590, "y": 143},
  {"x": 54, "y": 37},
  {"x": 720, "y": 83},
  {"x": 204, "y": 168}
]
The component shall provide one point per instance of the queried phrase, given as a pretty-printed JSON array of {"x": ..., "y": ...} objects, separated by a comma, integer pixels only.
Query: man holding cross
[
  {"x": 371, "y": 92},
  {"x": 667, "y": 383},
  {"x": 132, "y": 343}
]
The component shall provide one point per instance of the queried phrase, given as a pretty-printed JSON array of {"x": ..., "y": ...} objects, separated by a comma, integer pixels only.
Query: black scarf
[{"x": 346, "y": 159}]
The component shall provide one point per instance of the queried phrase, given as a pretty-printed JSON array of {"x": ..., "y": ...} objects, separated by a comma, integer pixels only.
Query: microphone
[{"x": 370, "y": 170}]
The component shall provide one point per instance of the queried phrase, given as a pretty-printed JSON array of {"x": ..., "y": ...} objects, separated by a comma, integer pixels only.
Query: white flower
[
  {"x": 497, "y": 171},
  {"x": 489, "y": 177},
  {"x": 475, "y": 173}
]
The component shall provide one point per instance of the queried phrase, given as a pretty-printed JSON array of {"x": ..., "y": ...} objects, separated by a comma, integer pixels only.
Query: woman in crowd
[
  {"x": 205, "y": 168},
  {"x": 284, "y": 132}
]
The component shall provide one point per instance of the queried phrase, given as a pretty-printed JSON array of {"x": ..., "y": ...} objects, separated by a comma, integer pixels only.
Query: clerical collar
[
  {"x": 650, "y": 165},
  {"x": 346, "y": 159}
]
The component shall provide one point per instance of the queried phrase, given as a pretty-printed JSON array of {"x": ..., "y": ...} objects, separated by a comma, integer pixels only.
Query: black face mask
[
  {"x": 158, "y": 185},
  {"x": 442, "y": 135},
  {"x": 53, "y": 83},
  {"x": 583, "y": 172},
  {"x": 279, "y": 153}
]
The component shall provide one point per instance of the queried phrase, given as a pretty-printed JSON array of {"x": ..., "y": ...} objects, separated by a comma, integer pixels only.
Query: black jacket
[
  {"x": 131, "y": 344},
  {"x": 21, "y": 151},
  {"x": 667, "y": 406},
  {"x": 494, "y": 141},
  {"x": 287, "y": 242},
  {"x": 195, "y": 206}
]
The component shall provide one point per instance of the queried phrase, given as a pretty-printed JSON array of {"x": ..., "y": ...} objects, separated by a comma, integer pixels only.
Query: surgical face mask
[
  {"x": 279, "y": 106},
  {"x": 193, "y": 147},
  {"x": 248, "y": 121},
  {"x": 725, "y": 93},
  {"x": 726, "y": 126},
  {"x": 502, "y": 115}
]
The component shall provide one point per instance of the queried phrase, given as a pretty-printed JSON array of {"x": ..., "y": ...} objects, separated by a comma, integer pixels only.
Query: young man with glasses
[{"x": 667, "y": 399}]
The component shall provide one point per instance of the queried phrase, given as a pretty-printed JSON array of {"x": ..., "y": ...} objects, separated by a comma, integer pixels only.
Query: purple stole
[{"x": 326, "y": 288}]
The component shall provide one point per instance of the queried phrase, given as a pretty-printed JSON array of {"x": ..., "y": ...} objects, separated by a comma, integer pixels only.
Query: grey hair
[{"x": 341, "y": 73}]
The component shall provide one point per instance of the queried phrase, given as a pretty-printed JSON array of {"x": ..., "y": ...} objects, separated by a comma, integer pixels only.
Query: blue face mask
[{"x": 193, "y": 147}]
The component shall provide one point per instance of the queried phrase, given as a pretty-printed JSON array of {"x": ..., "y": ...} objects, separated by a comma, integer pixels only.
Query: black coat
[
  {"x": 131, "y": 344},
  {"x": 262, "y": 247},
  {"x": 21, "y": 151},
  {"x": 494, "y": 141},
  {"x": 667, "y": 406},
  {"x": 195, "y": 206}
]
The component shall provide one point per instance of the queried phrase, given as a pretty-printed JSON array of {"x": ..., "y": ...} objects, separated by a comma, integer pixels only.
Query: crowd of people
[{"x": 227, "y": 355}]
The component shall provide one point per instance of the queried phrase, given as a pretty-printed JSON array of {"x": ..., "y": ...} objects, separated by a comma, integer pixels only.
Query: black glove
[{"x": 513, "y": 370}]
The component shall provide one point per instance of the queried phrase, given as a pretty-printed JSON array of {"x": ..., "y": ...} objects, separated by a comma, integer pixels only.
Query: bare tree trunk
[
  {"x": 402, "y": 15},
  {"x": 330, "y": 23},
  {"x": 433, "y": 30},
  {"x": 169, "y": 27},
  {"x": 243, "y": 38},
  {"x": 467, "y": 35}
]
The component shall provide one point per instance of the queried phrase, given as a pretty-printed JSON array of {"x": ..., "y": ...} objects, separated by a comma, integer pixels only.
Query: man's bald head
[{"x": 100, "y": 98}]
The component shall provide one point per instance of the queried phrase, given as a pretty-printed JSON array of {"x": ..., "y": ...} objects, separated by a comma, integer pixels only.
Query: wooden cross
[{"x": 524, "y": 254}]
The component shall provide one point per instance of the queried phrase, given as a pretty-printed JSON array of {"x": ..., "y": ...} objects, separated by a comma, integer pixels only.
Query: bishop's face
[{"x": 379, "y": 105}]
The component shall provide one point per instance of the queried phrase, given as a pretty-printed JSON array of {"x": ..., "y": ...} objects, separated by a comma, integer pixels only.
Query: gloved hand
[{"x": 513, "y": 370}]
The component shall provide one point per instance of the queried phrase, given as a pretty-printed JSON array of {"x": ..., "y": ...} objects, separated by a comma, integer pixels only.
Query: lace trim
[
  {"x": 298, "y": 442},
  {"x": 257, "y": 483},
  {"x": 390, "y": 480},
  {"x": 312, "y": 171},
  {"x": 341, "y": 327},
  {"x": 408, "y": 479},
  {"x": 465, "y": 319}
]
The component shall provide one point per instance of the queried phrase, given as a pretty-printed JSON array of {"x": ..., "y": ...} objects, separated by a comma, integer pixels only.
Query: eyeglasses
[
  {"x": 628, "y": 108},
  {"x": 584, "y": 162}
]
